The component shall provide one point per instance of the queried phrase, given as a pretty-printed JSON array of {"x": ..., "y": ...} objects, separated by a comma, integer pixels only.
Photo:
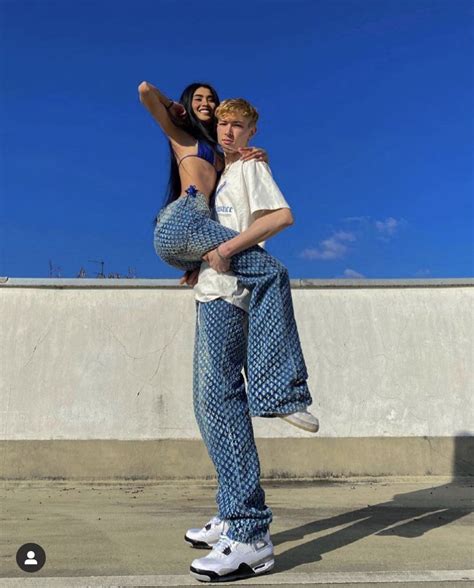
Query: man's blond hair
[{"x": 237, "y": 106}]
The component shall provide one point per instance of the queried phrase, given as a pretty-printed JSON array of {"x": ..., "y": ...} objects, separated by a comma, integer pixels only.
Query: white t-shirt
[{"x": 244, "y": 190}]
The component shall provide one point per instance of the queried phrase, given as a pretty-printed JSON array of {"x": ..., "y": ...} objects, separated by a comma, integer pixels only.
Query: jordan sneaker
[
  {"x": 206, "y": 537},
  {"x": 234, "y": 560}
]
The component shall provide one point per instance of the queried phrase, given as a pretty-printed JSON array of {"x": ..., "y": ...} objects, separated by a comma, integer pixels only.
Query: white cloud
[
  {"x": 332, "y": 248},
  {"x": 388, "y": 227},
  {"x": 335, "y": 247},
  {"x": 349, "y": 273},
  {"x": 422, "y": 272},
  {"x": 357, "y": 219},
  {"x": 384, "y": 228}
]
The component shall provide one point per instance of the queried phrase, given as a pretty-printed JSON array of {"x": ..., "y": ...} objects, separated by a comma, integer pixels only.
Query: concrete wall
[{"x": 111, "y": 360}]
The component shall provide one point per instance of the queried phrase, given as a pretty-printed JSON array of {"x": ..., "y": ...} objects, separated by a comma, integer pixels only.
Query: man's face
[{"x": 233, "y": 132}]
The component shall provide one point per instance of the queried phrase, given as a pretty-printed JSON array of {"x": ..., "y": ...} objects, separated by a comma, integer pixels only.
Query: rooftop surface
[{"x": 347, "y": 532}]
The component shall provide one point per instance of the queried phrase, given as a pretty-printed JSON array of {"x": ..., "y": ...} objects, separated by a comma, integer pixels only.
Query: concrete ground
[{"x": 370, "y": 532}]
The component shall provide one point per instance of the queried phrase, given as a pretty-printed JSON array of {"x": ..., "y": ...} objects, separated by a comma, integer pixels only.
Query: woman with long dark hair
[{"x": 197, "y": 119}]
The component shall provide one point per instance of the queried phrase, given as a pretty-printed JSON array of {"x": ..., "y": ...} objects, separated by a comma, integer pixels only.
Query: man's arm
[{"x": 269, "y": 224}]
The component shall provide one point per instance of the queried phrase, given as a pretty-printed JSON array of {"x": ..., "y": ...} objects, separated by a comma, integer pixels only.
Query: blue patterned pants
[
  {"x": 277, "y": 372},
  {"x": 223, "y": 417}
]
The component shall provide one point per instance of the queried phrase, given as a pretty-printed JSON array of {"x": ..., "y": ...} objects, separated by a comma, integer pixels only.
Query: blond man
[{"x": 249, "y": 202}]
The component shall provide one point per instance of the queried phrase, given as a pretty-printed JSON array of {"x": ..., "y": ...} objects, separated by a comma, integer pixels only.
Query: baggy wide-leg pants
[
  {"x": 277, "y": 371},
  {"x": 223, "y": 417}
]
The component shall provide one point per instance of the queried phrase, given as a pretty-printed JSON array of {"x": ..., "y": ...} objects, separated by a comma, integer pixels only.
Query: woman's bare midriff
[{"x": 197, "y": 172}]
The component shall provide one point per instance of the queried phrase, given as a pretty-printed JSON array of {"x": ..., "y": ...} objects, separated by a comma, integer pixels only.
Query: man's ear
[{"x": 253, "y": 131}]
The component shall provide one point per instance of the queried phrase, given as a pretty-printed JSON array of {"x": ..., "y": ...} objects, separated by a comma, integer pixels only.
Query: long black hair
[{"x": 192, "y": 125}]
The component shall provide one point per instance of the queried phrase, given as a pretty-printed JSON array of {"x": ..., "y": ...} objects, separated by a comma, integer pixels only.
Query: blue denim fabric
[
  {"x": 277, "y": 372},
  {"x": 222, "y": 414}
]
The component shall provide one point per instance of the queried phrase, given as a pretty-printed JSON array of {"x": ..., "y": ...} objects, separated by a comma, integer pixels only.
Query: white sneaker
[
  {"x": 233, "y": 560},
  {"x": 302, "y": 419},
  {"x": 206, "y": 537}
]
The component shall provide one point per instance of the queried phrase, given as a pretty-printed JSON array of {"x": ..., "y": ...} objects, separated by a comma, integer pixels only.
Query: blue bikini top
[{"x": 205, "y": 151}]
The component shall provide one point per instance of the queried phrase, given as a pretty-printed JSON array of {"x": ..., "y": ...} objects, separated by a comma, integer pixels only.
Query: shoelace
[
  {"x": 223, "y": 542},
  {"x": 214, "y": 521}
]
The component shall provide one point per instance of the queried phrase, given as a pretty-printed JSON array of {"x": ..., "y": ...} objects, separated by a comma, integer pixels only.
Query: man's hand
[
  {"x": 190, "y": 278},
  {"x": 216, "y": 262},
  {"x": 257, "y": 153}
]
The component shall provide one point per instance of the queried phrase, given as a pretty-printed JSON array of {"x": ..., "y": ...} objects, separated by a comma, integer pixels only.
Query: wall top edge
[{"x": 7, "y": 282}]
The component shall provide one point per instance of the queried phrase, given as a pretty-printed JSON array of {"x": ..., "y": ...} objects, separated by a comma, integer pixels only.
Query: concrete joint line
[{"x": 282, "y": 579}]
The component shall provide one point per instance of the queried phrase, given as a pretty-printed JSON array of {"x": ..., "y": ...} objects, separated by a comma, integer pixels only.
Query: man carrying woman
[{"x": 255, "y": 292}]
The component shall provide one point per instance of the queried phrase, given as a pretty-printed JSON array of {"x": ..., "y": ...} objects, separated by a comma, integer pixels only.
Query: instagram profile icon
[{"x": 30, "y": 557}]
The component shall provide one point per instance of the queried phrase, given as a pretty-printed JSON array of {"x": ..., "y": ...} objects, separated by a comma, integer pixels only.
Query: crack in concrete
[
  {"x": 160, "y": 358},
  {"x": 37, "y": 344},
  {"x": 106, "y": 326}
]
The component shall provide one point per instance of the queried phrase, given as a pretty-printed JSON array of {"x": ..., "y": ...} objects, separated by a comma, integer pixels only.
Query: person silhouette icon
[
  {"x": 30, "y": 561},
  {"x": 30, "y": 557}
]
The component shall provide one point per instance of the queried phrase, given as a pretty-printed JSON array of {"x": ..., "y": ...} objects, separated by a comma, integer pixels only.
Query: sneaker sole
[
  {"x": 197, "y": 544},
  {"x": 309, "y": 428},
  {"x": 242, "y": 572}
]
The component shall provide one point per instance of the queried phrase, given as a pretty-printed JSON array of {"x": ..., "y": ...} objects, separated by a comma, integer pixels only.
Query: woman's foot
[
  {"x": 206, "y": 537},
  {"x": 234, "y": 560},
  {"x": 302, "y": 419}
]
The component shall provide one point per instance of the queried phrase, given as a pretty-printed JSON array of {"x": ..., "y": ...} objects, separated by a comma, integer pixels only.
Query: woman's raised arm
[{"x": 159, "y": 106}]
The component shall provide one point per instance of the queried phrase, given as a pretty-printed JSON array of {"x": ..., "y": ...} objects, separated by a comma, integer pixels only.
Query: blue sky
[{"x": 365, "y": 111}]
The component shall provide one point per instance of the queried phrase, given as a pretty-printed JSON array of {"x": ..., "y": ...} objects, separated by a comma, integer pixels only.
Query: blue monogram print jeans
[
  {"x": 277, "y": 371},
  {"x": 223, "y": 417}
]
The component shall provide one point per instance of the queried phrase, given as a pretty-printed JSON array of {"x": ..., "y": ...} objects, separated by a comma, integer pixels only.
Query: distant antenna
[
  {"x": 101, "y": 273},
  {"x": 53, "y": 270}
]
